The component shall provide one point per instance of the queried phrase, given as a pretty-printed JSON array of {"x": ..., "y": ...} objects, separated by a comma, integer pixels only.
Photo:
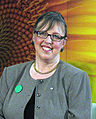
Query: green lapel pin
[{"x": 18, "y": 88}]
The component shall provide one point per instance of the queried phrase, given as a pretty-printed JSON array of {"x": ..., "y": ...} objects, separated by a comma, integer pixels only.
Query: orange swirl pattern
[{"x": 17, "y": 18}]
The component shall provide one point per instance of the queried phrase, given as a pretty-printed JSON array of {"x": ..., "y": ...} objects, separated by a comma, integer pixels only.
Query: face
[{"x": 47, "y": 49}]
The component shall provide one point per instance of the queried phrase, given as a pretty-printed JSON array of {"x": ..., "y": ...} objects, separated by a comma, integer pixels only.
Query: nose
[{"x": 48, "y": 40}]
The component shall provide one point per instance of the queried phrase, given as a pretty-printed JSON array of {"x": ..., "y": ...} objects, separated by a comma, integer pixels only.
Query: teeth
[{"x": 46, "y": 48}]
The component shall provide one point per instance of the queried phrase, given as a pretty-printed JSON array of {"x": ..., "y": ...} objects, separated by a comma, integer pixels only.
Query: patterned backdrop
[{"x": 17, "y": 18}]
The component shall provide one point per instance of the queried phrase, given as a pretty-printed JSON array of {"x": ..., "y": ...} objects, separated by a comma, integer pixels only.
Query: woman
[{"x": 46, "y": 88}]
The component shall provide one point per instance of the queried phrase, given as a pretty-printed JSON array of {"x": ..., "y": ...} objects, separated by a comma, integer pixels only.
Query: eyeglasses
[{"x": 54, "y": 37}]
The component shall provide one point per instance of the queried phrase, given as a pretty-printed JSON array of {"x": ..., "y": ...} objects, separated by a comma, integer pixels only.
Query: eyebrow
[{"x": 56, "y": 33}]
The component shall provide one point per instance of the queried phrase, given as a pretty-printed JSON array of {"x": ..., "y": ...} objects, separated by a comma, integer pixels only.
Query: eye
[
  {"x": 42, "y": 33},
  {"x": 56, "y": 36}
]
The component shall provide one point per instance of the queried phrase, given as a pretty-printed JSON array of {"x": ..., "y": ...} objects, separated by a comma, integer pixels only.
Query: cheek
[
  {"x": 57, "y": 46},
  {"x": 38, "y": 41}
]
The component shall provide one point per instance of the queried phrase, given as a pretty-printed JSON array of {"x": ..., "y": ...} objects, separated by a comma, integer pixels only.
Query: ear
[{"x": 63, "y": 43}]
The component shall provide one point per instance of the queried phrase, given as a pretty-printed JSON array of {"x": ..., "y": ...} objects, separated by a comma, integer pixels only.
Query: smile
[{"x": 46, "y": 48}]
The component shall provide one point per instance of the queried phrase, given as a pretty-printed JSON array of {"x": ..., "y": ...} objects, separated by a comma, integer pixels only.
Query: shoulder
[
  {"x": 72, "y": 76},
  {"x": 19, "y": 66},
  {"x": 69, "y": 68},
  {"x": 13, "y": 73},
  {"x": 71, "y": 72}
]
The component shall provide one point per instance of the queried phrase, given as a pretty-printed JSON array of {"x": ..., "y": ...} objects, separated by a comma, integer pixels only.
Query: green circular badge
[{"x": 18, "y": 88}]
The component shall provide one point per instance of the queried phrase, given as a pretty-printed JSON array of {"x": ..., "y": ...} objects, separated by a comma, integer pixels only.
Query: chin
[{"x": 46, "y": 57}]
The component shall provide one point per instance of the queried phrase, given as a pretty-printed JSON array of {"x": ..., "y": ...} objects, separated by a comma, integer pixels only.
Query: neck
[{"x": 46, "y": 65}]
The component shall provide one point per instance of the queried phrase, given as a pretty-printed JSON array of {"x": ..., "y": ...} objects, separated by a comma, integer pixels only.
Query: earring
[
  {"x": 33, "y": 43},
  {"x": 61, "y": 49}
]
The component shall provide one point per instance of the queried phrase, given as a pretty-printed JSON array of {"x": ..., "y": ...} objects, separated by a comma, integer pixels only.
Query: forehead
[{"x": 56, "y": 27}]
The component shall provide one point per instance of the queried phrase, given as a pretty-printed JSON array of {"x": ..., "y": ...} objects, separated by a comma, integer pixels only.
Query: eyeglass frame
[{"x": 61, "y": 38}]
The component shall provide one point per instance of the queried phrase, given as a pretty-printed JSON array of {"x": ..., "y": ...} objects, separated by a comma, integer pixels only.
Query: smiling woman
[
  {"x": 51, "y": 44},
  {"x": 46, "y": 88},
  {"x": 48, "y": 45}
]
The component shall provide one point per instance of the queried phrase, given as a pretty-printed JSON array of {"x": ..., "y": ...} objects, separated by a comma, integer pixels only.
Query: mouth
[{"x": 46, "y": 48}]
